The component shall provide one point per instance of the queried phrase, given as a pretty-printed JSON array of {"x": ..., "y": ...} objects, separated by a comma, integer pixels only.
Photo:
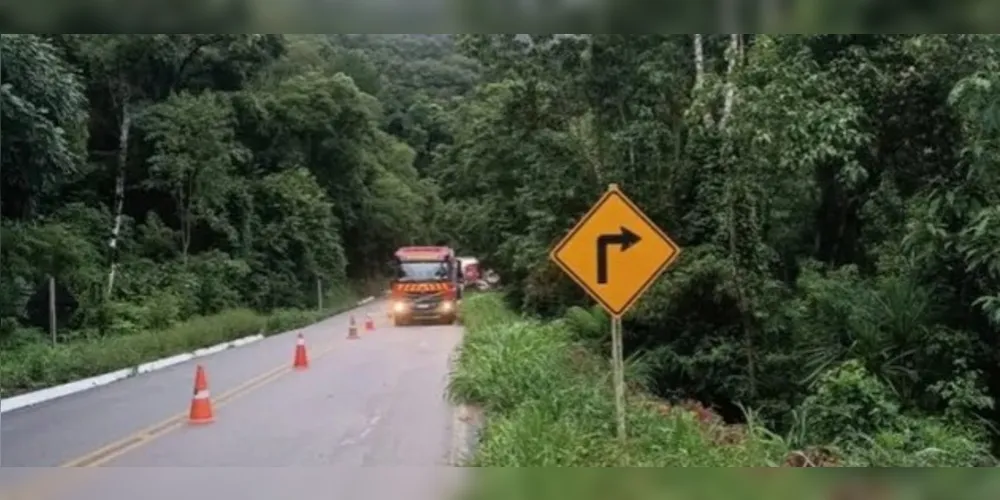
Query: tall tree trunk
[
  {"x": 699, "y": 72},
  {"x": 732, "y": 54},
  {"x": 699, "y": 61},
  {"x": 596, "y": 128},
  {"x": 184, "y": 196},
  {"x": 125, "y": 125}
]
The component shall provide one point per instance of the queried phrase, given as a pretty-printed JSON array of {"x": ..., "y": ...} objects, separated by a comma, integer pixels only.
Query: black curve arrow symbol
[{"x": 625, "y": 239}]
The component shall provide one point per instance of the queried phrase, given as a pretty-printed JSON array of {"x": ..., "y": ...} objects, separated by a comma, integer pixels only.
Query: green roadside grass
[
  {"x": 549, "y": 402},
  {"x": 548, "y": 405},
  {"x": 36, "y": 366}
]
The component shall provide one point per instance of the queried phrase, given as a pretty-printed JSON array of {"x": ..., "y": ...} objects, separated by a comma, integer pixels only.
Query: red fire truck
[{"x": 426, "y": 285}]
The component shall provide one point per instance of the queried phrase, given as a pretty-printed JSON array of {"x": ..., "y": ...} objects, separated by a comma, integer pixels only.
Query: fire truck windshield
[{"x": 422, "y": 270}]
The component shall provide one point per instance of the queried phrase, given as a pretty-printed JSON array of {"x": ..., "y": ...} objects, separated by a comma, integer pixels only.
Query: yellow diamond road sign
[{"x": 615, "y": 252}]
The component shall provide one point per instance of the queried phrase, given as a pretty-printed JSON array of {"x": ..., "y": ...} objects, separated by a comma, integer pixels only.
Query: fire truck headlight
[
  {"x": 399, "y": 307},
  {"x": 447, "y": 305}
]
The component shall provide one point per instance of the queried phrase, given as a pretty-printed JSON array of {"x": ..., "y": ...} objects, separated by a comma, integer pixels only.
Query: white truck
[{"x": 472, "y": 275}]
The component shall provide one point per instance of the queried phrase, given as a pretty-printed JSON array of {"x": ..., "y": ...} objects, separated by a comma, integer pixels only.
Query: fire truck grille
[{"x": 424, "y": 298}]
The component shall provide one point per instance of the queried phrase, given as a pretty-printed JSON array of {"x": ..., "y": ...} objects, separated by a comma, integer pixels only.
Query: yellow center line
[
  {"x": 118, "y": 448},
  {"x": 37, "y": 488}
]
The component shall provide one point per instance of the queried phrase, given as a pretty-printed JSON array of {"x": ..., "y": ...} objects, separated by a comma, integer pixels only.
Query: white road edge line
[
  {"x": 462, "y": 427},
  {"x": 50, "y": 393}
]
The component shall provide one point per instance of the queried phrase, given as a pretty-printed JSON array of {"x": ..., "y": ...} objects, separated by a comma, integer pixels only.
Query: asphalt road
[{"x": 377, "y": 402}]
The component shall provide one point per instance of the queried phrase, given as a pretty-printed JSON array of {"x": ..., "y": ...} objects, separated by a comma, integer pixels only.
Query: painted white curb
[
  {"x": 33, "y": 398},
  {"x": 50, "y": 393}
]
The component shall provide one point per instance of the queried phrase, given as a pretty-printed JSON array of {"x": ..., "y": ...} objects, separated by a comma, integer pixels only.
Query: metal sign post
[{"x": 618, "y": 367}]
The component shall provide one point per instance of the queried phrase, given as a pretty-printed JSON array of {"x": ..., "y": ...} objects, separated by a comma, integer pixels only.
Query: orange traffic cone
[
  {"x": 201, "y": 403},
  {"x": 352, "y": 329},
  {"x": 301, "y": 358},
  {"x": 369, "y": 323}
]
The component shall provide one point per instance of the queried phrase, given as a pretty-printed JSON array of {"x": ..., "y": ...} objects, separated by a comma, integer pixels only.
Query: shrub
[
  {"x": 283, "y": 320},
  {"x": 503, "y": 365},
  {"x": 549, "y": 402},
  {"x": 856, "y": 412}
]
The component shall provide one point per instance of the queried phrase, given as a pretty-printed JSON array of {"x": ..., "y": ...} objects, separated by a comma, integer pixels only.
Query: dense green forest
[
  {"x": 837, "y": 199},
  {"x": 159, "y": 179}
]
